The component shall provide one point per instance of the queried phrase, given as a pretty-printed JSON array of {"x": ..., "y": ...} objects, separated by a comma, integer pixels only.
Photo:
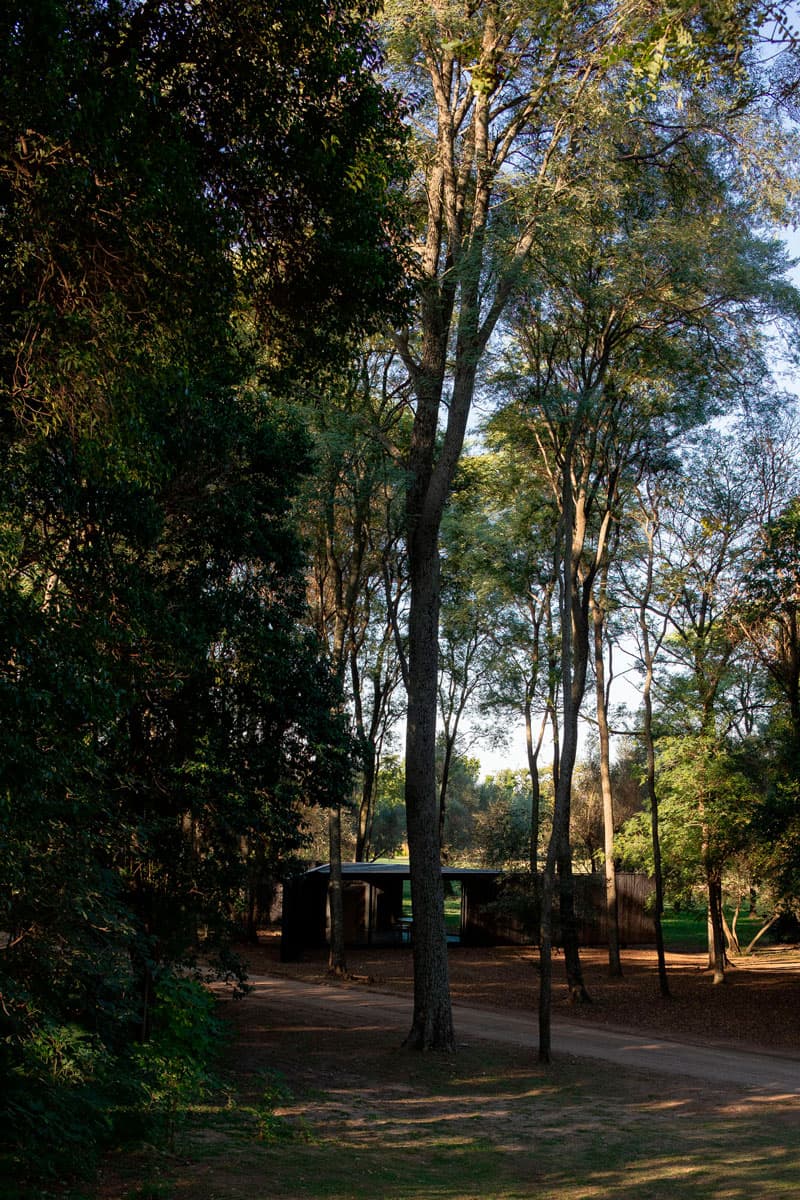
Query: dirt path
[{"x": 768, "y": 1076}]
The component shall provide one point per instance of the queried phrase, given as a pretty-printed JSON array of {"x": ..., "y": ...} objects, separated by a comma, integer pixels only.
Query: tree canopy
[{"x": 194, "y": 202}]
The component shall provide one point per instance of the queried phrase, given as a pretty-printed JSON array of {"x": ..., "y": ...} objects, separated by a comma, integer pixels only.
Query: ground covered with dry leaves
[{"x": 758, "y": 1005}]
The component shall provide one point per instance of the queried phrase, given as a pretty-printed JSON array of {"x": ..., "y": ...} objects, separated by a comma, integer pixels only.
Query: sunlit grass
[
  {"x": 354, "y": 1118},
  {"x": 688, "y": 930}
]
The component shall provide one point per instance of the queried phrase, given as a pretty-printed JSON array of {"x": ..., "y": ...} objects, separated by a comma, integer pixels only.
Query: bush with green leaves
[
  {"x": 175, "y": 1065},
  {"x": 56, "y": 1112},
  {"x": 70, "y": 1095}
]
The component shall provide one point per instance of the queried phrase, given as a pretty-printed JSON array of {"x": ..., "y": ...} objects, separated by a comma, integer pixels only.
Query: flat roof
[{"x": 363, "y": 870}]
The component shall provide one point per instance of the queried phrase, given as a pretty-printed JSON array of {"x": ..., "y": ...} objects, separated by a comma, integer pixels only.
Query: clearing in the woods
[{"x": 322, "y": 1101}]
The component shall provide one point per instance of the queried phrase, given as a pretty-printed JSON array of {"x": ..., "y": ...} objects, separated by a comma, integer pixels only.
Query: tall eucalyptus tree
[
  {"x": 643, "y": 316},
  {"x": 710, "y": 526},
  {"x": 499, "y": 96}
]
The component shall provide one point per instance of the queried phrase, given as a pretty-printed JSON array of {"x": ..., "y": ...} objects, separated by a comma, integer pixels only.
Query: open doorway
[{"x": 452, "y": 910}]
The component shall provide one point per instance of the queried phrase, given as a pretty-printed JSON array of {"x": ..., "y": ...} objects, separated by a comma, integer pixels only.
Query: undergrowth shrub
[
  {"x": 67, "y": 1096},
  {"x": 56, "y": 1107},
  {"x": 175, "y": 1065}
]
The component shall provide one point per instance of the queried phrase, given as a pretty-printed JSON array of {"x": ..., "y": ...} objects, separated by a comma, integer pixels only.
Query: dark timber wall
[{"x": 373, "y": 904}]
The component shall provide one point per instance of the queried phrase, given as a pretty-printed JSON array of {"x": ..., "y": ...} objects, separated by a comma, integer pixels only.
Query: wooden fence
[{"x": 512, "y": 914}]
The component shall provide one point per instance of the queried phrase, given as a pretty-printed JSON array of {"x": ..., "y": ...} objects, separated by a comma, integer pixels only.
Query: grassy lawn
[
  {"x": 452, "y": 905},
  {"x": 688, "y": 930},
  {"x": 346, "y": 1114}
]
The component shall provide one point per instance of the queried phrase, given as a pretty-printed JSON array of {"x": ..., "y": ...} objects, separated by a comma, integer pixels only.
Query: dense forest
[{"x": 368, "y": 377}]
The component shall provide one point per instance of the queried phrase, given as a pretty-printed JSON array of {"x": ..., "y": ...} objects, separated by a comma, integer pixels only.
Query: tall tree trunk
[
  {"x": 337, "y": 961},
  {"x": 569, "y": 929},
  {"x": 368, "y": 759},
  {"x": 345, "y": 596},
  {"x": 538, "y": 613},
  {"x": 609, "y": 870},
  {"x": 713, "y": 873},
  {"x": 574, "y": 662},
  {"x": 365, "y": 804},
  {"x": 546, "y": 955},
  {"x": 563, "y": 863},
  {"x": 574, "y": 657},
  {"x": 716, "y": 928},
  {"x": 650, "y": 528},
  {"x": 432, "y": 1023},
  {"x": 652, "y": 794},
  {"x": 455, "y": 324},
  {"x": 711, "y": 864}
]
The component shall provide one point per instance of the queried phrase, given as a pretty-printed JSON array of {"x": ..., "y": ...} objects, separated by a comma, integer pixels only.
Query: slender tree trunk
[
  {"x": 536, "y": 791},
  {"x": 448, "y": 756},
  {"x": 253, "y": 850},
  {"x": 648, "y": 653},
  {"x": 767, "y": 925},
  {"x": 368, "y": 840},
  {"x": 569, "y": 930},
  {"x": 365, "y": 804},
  {"x": 371, "y": 737},
  {"x": 574, "y": 661},
  {"x": 556, "y": 733},
  {"x": 563, "y": 862},
  {"x": 609, "y": 870},
  {"x": 538, "y": 612},
  {"x": 574, "y": 656},
  {"x": 368, "y": 758},
  {"x": 552, "y": 694},
  {"x": 342, "y": 613},
  {"x": 716, "y": 932},
  {"x": 712, "y": 868},
  {"x": 731, "y": 940},
  {"x": 663, "y": 982},
  {"x": 337, "y": 956},
  {"x": 546, "y": 955}
]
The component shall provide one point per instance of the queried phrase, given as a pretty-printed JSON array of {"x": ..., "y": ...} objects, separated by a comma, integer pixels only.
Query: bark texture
[
  {"x": 432, "y": 1022},
  {"x": 337, "y": 960}
]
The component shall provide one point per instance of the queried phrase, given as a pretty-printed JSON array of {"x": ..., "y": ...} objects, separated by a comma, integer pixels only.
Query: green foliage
[
  {"x": 489, "y": 820},
  {"x": 463, "y": 800},
  {"x": 174, "y": 1065},
  {"x": 350, "y": 511},
  {"x": 172, "y": 234},
  {"x": 389, "y": 818},
  {"x": 56, "y": 1106},
  {"x": 725, "y": 766},
  {"x": 69, "y": 1096},
  {"x": 503, "y": 823},
  {"x": 768, "y": 608},
  {"x": 773, "y": 851}
]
